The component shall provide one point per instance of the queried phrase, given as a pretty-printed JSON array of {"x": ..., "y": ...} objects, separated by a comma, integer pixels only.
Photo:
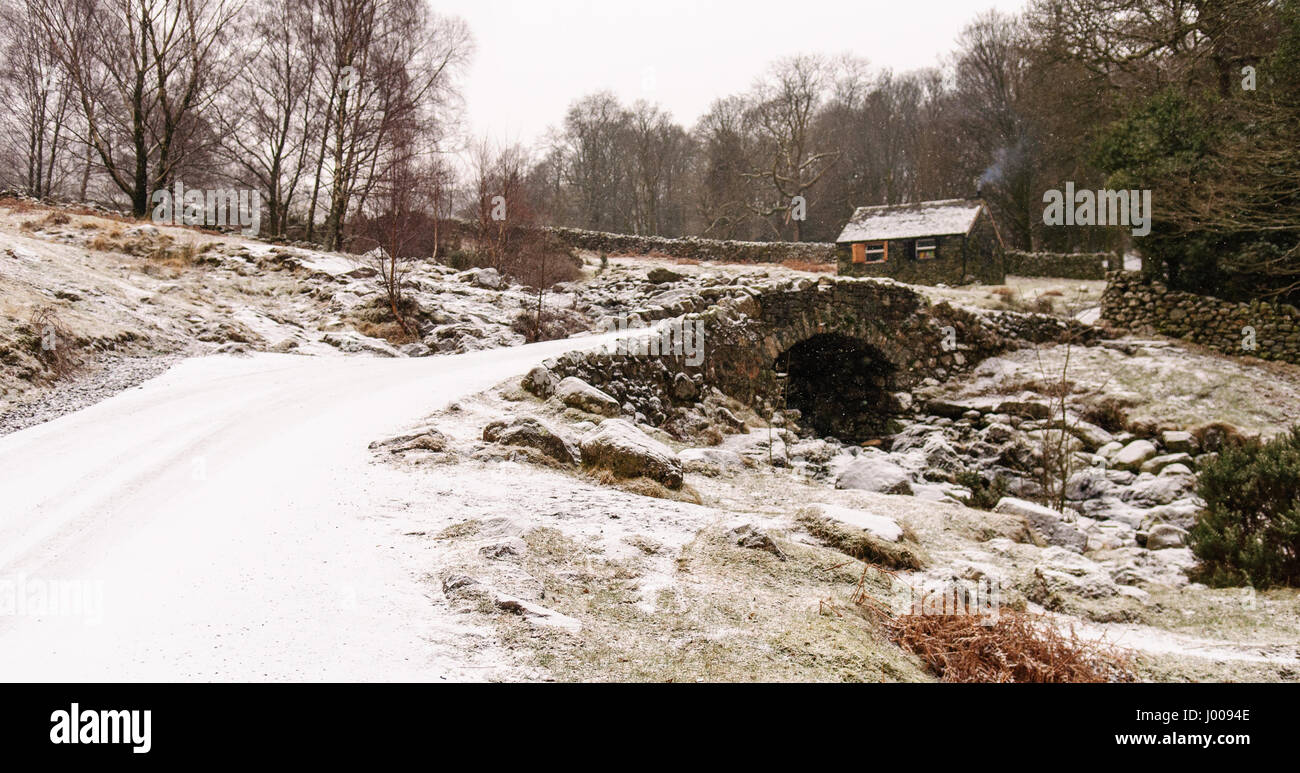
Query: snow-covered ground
[{"x": 226, "y": 512}]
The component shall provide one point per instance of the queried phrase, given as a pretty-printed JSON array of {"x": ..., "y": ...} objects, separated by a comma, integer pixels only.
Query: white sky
[{"x": 535, "y": 57}]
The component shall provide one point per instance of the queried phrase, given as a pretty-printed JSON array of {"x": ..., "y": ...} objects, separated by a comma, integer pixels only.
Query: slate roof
[{"x": 911, "y": 221}]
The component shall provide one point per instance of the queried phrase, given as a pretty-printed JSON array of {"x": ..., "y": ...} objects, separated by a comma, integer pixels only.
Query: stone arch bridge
[{"x": 839, "y": 350}]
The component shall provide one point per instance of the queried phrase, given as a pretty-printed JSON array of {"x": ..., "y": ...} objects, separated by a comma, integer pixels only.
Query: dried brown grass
[
  {"x": 1013, "y": 647},
  {"x": 809, "y": 266}
]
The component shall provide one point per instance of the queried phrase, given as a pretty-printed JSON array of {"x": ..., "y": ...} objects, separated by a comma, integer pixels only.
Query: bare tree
[
  {"x": 143, "y": 73},
  {"x": 785, "y": 106}
]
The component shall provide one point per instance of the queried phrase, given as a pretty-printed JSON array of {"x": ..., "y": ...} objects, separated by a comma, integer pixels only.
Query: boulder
[
  {"x": 879, "y": 526},
  {"x": 618, "y": 446},
  {"x": 531, "y": 433},
  {"x": 875, "y": 473},
  {"x": 1061, "y": 571},
  {"x": 1109, "y": 450},
  {"x": 487, "y": 278},
  {"x": 709, "y": 459},
  {"x": 1165, "y": 536},
  {"x": 684, "y": 388},
  {"x": 1170, "y": 485},
  {"x": 1134, "y": 454},
  {"x": 748, "y": 536},
  {"x": 1054, "y": 528},
  {"x": 427, "y": 440},
  {"x": 576, "y": 393},
  {"x": 540, "y": 381},
  {"x": 1176, "y": 442},
  {"x": 415, "y": 349},
  {"x": 1025, "y": 409},
  {"x": 1157, "y": 463},
  {"x": 1093, "y": 437},
  {"x": 662, "y": 275}
]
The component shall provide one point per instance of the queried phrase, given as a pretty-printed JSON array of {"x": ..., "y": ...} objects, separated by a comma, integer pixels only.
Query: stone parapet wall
[
  {"x": 1131, "y": 303},
  {"x": 1059, "y": 265}
]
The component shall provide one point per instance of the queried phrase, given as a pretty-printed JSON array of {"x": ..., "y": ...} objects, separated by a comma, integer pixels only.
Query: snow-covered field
[{"x": 227, "y": 519}]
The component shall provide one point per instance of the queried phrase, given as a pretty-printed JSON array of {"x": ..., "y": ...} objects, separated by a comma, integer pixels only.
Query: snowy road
[{"x": 219, "y": 514}]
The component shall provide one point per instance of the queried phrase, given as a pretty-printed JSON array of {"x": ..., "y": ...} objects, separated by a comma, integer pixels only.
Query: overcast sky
[{"x": 535, "y": 57}]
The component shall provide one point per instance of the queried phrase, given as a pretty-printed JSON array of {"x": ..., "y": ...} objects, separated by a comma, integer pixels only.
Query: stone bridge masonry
[{"x": 848, "y": 347}]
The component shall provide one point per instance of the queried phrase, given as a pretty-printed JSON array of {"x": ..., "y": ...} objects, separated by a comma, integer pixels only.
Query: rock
[
  {"x": 874, "y": 473},
  {"x": 616, "y": 445},
  {"x": 1025, "y": 409},
  {"x": 729, "y": 420},
  {"x": 1093, "y": 437},
  {"x": 1157, "y": 463},
  {"x": 1060, "y": 570},
  {"x": 748, "y": 536},
  {"x": 428, "y": 440},
  {"x": 1109, "y": 450},
  {"x": 662, "y": 275},
  {"x": 354, "y": 343},
  {"x": 1165, "y": 536},
  {"x": 1176, "y": 442},
  {"x": 487, "y": 278},
  {"x": 576, "y": 393},
  {"x": 879, "y": 526},
  {"x": 997, "y": 433},
  {"x": 364, "y": 272},
  {"x": 940, "y": 455},
  {"x": 1172, "y": 484},
  {"x": 510, "y": 546},
  {"x": 535, "y": 614},
  {"x": 1180, "y": 513},
  {"x": 415, "y": 349},
  {"x": 531, "y": 433},
  {"x": 1167, "y": 567},
  {"x": 710, "y": 459},
  {"x": 1054, "y": 528},
  {"x": 1088, "y": 484},
  {"x": 684, "y": 388},
  {"x": 945, "y": 409},
  {"x": 1134, "y": 454},
  {"x": 540, "y": 381}
]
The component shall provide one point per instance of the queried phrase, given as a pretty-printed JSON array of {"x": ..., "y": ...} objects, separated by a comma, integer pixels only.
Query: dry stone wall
[{"x": 1269, "y": 331}]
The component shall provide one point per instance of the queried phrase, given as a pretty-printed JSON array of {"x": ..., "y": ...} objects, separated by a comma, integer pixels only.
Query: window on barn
[
  {"x": 926, "y": 249},
  {"x": 859, "y": 253},
  {"x": 875, "y": 252}
]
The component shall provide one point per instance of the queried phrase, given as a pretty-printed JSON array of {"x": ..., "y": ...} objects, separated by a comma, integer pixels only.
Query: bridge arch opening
[{"x": 839, "y": 384}]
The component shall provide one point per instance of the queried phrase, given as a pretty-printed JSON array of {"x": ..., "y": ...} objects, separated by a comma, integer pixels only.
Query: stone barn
[{"x": 951, "y": 242}]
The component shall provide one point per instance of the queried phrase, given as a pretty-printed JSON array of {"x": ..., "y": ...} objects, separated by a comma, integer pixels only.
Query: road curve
[{"x": 210, "y": 525}]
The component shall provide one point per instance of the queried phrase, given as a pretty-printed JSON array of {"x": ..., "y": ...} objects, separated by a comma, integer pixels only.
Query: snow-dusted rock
[
  {"x": 487, "y": 278},
  {"x": 1170, "y": 485},
  {"x": 879, "y": 526},
  {"x": 1093, "y": 437},
  {"x": 1157, "y": 463},
  {"x": 576, "y": 393},
  {"x": 531, "y": 433},
  {"x": 1053, "y": 527},
  {"x": 1179, "y": 442},
  {"x": 618, "y": 446},
  {"x": 1109, "y": 450},
  {"x": 700, "y": 459},
  {"x": 540, "y": 381},
  {"x": 875, "y": 473},
  {"x": 1166, "y": 535},
  {"x": 1134, "y": 454},
  {"x": 1060, "y": 570}
]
